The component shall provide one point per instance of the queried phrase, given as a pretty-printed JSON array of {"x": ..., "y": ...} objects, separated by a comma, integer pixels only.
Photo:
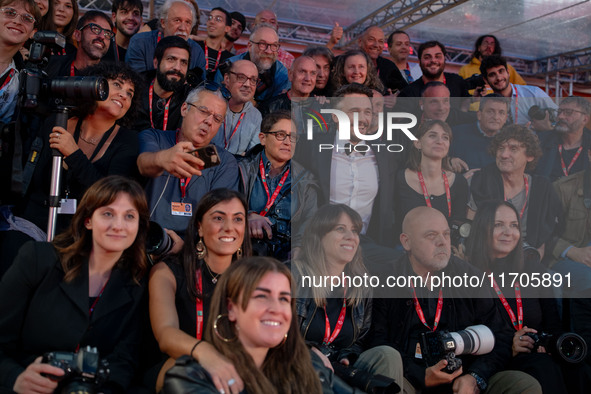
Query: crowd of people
[{"x": 262, "y": 170}]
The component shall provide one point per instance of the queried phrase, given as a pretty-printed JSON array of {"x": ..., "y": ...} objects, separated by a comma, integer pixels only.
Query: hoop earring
[
  {"x": 201, "y": 250},
  {"x": 215, "y": 329},
  {"x": 282, "y": 342},
  {"x": 239, "y": 253}
]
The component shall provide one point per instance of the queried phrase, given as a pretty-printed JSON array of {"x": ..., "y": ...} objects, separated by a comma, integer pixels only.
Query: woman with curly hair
[{"x": 355, "y": 66}]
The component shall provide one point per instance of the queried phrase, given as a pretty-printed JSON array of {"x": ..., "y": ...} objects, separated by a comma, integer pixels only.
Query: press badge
[
  {"x": 67, "y": 206},
  {"x": 418, "y": 353},
  {"x": 181, "y": 209}
]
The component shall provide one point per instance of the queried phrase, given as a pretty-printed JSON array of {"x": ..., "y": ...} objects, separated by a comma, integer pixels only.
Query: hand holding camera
[{"x": 32, "y": 380}]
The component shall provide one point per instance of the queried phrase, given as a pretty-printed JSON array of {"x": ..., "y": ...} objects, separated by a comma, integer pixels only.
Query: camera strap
[
  {"x": 420, "y": 313},
  {"x": 565, "y": 169},
  {"x": 199, "y": 306},
  {"x": 517, "y": 322},
  {"x": 31, "y": 163}
]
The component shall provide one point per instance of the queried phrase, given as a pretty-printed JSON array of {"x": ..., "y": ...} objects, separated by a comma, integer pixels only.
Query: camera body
[
  {"x": 476, "y": 81},
  {"x": 84, "y": 371},
  {"x": 568, "y": 347},
  {"x": 440, "y": 345}
]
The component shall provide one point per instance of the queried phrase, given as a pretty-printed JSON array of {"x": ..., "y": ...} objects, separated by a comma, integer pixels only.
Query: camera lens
[{"x": 571, "y": 347}]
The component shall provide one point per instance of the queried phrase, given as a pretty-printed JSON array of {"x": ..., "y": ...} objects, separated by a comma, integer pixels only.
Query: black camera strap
[{"x": 31, "y": 163}]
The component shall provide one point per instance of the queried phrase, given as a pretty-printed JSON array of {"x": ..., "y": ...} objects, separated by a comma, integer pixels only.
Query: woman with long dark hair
[
  {"x": 83, "y": 289},
  {"x": 495, "y": 246},
  {"x": 181, "y": 287},
  {"x": 252, "y": 323}
]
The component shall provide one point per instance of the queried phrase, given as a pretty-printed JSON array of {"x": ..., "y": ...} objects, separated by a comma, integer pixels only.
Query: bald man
[
  {"x": 426, "y": 241},
  {"x": 269, "y": 17}
]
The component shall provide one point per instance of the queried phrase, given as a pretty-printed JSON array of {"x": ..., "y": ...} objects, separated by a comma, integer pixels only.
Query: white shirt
[
  {"x": 354, "y": 179},
  {"x": 523, "y": 97},
  {"x": 8, "y": 94}
]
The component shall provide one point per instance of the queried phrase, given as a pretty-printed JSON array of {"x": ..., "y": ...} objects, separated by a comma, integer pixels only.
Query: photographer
[
  {"x": 86, "y": 288},
  {"x": 399, "y": 322},
  {"x": 95, "y": 144},
  {"x": 267, "y": 176}
]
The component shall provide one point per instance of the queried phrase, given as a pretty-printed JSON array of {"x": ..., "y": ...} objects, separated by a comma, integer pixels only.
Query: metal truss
[
  {"x": 398, "y": 14},
  {"x": 575, "y": 66}
]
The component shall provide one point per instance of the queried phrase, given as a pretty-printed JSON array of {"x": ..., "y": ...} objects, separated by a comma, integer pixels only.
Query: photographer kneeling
[{"x": 83, "y": 289}]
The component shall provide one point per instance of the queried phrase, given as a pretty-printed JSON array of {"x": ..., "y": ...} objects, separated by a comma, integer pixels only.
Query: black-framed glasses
[
  {"x": 96, "y": 29},
  {"x": 242, "y": 78},
  {"x": 215, "y": 87},
  {"x": 207, "y": 113},
  {"x": 11, "y": 13},
  {"x": 281, "y": 135},
  {"x": 264, "y": 45},
  {"x": 568, "y": 111}
]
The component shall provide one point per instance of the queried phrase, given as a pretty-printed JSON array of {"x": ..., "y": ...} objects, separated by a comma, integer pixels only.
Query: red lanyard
[
  {"x": 516, "y": 110},
  {"x": 8, "y": 78},
  {"x": 226, "y": 142},
  {"x": 270, "y": 198},
  {"x": 420, "y": 310},
  {"x": 72, "y": 73},
  {"x": 199, "y": 306},
  {"x": 116, "y": 50},
  {"x": 566, "y": 170},
  {"x": 517, "y": 323},
  {"x": 159, "y": 37},
  {"x": 328, "y": 337},
  {"x": 183, "y": 182},
  {"x": 526, "y": 194},
  {"x": 217, "y": 61},
  {"x": 91, "y": 309},
  {"x": 150, "y": 96},
  {"x": 426, "y": 194}
]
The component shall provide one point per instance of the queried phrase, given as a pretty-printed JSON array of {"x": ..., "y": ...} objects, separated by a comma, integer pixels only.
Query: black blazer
[{"x": 39, "y": 313}]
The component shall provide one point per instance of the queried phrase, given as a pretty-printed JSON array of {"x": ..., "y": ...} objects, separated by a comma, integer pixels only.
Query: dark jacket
[
  {"x": 390, "y": 75},
  {"x": 395, "y": 323},
  {"x": 551, "y": 158},
  {"x": 543, "y": 206},
  {"x": 39, "y": 313}
]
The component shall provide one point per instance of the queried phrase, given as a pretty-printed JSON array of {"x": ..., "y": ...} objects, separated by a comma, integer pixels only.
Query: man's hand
[
  {"x": 434, "y": 376},
  {"x": 323, "y": 357},
  {"x": 257, "y": 224},
  {"x": 580, "y": 255},
  {"x": 31, "y": 380},
  {"x": 458, "y": 165},
  {"x": 177, "y": 242},
  {"x": 521, "y": 342},
  {"x": 470, "y": 173},
  {"x": 178, "y": 162},
  {"x": 335, "y": 36},
  {"x": 465, "y": 384}
]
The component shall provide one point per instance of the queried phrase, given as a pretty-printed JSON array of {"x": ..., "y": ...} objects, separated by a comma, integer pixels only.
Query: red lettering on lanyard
[
  {"x": 565, "y": 169},
  {"x": 72, "y": 73},
  {"x": 217, "y": 61},
  {"x": 526, "y": 194},
  {"x": 328, "y": 337},
  {"x": 420, "y": 313},
  {"x": 150, "y": 96},
  {"x": 199, "y": 306},
  {"x": 183, "y": 182},
  {"x": 517, "y": 322},
  {"x": 159, "y": 37},
  {"x": 426, "y": 194},
  {"x": 226, "y": 142},
  {"x": 8, "y": 78},
  {"x": 270, "y": 198}
]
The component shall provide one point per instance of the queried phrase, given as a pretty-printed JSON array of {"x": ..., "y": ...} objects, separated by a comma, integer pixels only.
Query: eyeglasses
[
  {"x": 207, "y": 113},
  {"x": 215, "y": 18},
  {"x": 242, "y": 78},
  {"x": 215, "y": 87},
  {"x": 11, "y": 13},
  {"x": 263, "y": 46},
  {"x": 282, "y": 135},
  {"x": 96, "y": 29},
  {"x": 568, "y": 111}
]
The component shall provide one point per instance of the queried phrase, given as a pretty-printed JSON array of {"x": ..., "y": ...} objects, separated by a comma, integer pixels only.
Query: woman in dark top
[
  {"x": 253, "y": 324},
  {"x": 83, "y": 289},
  {"x": 495, "y": 246},
  {"x": 355, "y": 66},
  {"x": 336, "y": 323},
  {"x": 65, "y": 18},
  {"x": 428, "y": 178},
  {"x": 181, "y": 289}
]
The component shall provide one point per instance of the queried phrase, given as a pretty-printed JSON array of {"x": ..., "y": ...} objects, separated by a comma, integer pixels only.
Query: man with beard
[
  {"x": 238, "y": 26},
  {"x": 432, "y": 62},
  {"x": 262, "y": 51},
  {"x": 93, "y": 35},
  {"x": 564, "y": 148},
  {"x": 240, "y": 130},
  {"x": 219, "y": 23},
  {"x": 177, "y": 18},
  {"x": 268, "y": 17},
  {"x": 495, "y": 72},
  {"x": 422, "y": 306},
  {"x": 372, "y": 43},
  {"x": 161, "y": 107},
  {"x": 127, "y": 17}
]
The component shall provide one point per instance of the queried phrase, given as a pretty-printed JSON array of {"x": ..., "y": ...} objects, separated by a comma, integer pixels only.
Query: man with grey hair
[
  {"x": 564, "y": 148},
  {"x": 177, "y": 18},
  {"x": 262, "y": 51},
  {"x": 177, "y": 177}
]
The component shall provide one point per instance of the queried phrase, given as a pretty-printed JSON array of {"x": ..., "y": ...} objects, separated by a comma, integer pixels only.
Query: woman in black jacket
[{"x": 83, "y": 289}]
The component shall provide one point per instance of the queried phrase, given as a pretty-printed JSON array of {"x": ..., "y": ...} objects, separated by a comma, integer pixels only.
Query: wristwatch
[{"x": 480, "y": 382}]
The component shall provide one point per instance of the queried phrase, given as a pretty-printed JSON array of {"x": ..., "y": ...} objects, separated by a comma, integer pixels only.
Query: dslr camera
[
  {"x": 476, "y": 81},
  {"x": 84, "y": 371},
  {"x": 568, "y": 347},
  {"x": 445, "y": 345}
]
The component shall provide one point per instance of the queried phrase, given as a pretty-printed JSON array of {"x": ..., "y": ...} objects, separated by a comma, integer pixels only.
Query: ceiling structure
[{"x": 540, "y": 37}]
